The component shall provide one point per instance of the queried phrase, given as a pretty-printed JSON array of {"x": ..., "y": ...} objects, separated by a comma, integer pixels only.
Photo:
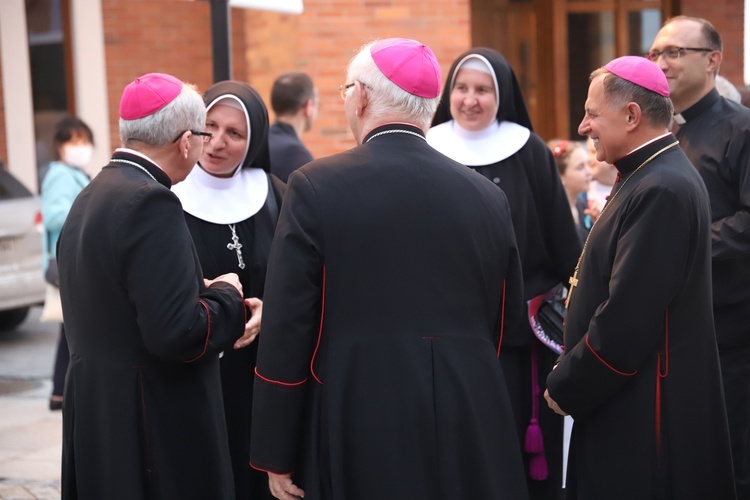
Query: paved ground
[
  {"x": 30, "y": 446},
  {"x": 30, "y": 434}
]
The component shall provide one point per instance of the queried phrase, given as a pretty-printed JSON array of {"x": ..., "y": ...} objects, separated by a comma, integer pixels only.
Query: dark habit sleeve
[
  {"x": 179, "y": 318},
  {"x": 290, "y": 331},
  {"x": 651, "y": 242}
]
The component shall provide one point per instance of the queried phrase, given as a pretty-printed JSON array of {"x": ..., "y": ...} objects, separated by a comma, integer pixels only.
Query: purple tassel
[
  {"x": 534, "y": 442},
  {"x": 538, "y": 467}
]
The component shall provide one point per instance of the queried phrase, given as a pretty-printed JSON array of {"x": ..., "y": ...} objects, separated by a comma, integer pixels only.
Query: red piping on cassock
[
  {"x": 659, "y": 376},
  {"x": 320, "y": 330}
]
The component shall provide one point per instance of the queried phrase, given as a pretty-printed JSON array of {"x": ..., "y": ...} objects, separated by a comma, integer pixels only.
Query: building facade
[{"x": 81, "y": 53}]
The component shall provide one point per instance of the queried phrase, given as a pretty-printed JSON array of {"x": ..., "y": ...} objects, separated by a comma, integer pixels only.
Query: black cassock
[
  {"x": 640, "y": 372},
  {"x": 377, "y": 371},
  {"x": 237, "y": 366},
  {"x": 143, "y": 414}
]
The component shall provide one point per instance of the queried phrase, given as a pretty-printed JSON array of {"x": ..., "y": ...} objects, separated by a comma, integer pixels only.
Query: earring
[{"x": 186, "y": 153}]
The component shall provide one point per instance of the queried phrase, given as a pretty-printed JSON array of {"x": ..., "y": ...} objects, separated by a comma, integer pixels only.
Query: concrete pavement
[{"x": 30, "y": 445}]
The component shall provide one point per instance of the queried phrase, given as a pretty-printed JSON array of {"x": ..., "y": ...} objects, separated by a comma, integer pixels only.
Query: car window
[{"x": 11, "y": 188}]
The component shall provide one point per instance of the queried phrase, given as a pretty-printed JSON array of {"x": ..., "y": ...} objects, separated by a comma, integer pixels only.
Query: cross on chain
[{"x": 237, "y": 246}]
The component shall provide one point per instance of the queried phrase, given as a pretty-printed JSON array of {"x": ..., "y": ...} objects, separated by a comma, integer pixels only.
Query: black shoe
[{"x": 55, "y": 404}]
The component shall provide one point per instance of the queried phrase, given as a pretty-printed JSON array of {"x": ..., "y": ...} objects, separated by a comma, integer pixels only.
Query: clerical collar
[
  {"x": 476, "y": 148},
  {"x": 393, "y": 129},
  {"x": 223, "y": 200},
  {"x": 635, "y": 158},
  {"x": 698, "y": 108},
  {"x": 131, "y": 155}
]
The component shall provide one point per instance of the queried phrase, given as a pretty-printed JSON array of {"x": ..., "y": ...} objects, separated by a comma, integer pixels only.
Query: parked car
[{"x": 21, "y": 282}]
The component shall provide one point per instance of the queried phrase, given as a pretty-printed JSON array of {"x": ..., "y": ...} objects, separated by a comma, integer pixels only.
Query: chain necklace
[
  {"x": 133, "y": 164},
  {"x": 236, "y": 246},
  {"x": 395, "y": 131},
  {"x": 574, "y": 279}
]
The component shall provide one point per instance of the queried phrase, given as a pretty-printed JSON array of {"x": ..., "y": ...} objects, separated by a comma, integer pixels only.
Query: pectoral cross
[
  {"x": 573, "y": 283},
  {"x": 237, "y": 246}
]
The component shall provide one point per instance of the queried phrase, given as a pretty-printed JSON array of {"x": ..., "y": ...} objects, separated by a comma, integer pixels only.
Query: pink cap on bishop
[
  {"x": 147, "y": 94},
  {"x": 409, "y": 64},
  {"x": 640, "y": 71}
]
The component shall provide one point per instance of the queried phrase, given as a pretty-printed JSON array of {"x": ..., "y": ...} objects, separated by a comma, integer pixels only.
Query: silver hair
[
  {"x": 618, "y": 92},
  {"x": 385, "y": 97},
  {"x": 187, "y": 111}
]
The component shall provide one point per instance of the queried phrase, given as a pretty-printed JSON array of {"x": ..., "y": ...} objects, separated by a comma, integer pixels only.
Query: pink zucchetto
[
  {"x": 409, "y": 64},
  {"x": 640, "y": 71},
  {"x": 147, "y": 94}
]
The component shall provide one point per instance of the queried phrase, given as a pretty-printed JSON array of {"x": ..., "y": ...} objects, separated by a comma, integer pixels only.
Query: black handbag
[{"x": 547, "y": 318}]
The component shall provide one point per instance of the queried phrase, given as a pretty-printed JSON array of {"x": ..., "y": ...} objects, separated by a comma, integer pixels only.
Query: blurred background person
[
  {"x": 714, "y": 132},
  {"x": 294, "y": 101},
  {"x": 482, "y": 122},
  {"x": 727, "y": 89},
  {"x": 64, "y": 179},
  {"x": 575, "y": 175},
  {"x": 231, "y": 206},
  {"x": 603, "y": 177}
]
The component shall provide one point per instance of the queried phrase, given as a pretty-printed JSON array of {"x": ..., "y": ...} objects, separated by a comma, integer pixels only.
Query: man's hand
[
  {"x": 553, "y": 406},
  {"x": 230, "y": 278},
  {"x": 252, "y": 327},
  {"x": 283, "y": 488}
]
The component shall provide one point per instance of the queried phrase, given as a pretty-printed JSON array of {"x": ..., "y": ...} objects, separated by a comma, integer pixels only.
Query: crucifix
[
  {"x": 573, "y": 283},
  {"x": 237, "y": 246}
]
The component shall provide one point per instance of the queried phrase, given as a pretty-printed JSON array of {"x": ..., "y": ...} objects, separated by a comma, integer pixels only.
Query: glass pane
[
  {"x": 642, "y": 28},
  {"x": 591, "y": 44},
  {"x": 48, "y": 80}
]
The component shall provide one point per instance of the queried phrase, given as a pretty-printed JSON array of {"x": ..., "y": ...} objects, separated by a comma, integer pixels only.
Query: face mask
[{"x": 77, "y": 156}]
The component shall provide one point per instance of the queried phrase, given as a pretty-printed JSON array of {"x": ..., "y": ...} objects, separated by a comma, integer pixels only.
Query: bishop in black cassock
[{"x": 640, "y": 372}]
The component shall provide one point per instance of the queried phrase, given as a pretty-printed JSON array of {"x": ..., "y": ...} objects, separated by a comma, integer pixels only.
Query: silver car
[{"x": 21, "y": 282}]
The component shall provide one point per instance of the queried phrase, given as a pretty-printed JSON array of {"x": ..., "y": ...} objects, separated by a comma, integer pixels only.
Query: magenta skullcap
[
  {"x": 640, "y": 71},
  {"x": 148, "y": 94},
  {"x": 409, "y": 64}
]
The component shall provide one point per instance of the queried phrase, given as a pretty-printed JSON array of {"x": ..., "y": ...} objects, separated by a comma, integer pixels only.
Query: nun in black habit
[
  {"x": 231, "y": 205},
  {"x": 483, "y": 123}
]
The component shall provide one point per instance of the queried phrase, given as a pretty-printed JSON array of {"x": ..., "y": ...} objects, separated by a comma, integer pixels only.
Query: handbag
[
  {"x": 52, "y": 310},
  {"x": 51, "y": 276},
  {"x": 547, "y": 318}
]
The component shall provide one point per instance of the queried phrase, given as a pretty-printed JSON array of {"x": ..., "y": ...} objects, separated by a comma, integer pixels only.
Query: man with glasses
[
  {"x": 714, "y": 132},
  {"x": 142, "y": 413},
  {"x": 393, "y": 274}
]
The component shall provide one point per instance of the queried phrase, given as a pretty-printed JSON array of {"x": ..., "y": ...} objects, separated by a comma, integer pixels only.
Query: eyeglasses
[
  {"x": 672, "y": 53},
  {"x": 205, "y": 135},
  {"x": 343, "y": 88}
]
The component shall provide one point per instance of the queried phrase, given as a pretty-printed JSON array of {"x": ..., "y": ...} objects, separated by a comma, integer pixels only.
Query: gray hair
[
  {"x": 385, "y": 97},
  {"x": 186, "y": 112},
  {"x": 657, "y": 109}
]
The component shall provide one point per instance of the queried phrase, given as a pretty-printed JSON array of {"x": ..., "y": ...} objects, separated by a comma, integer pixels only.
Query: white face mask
[{"x": 77, "y": 156}]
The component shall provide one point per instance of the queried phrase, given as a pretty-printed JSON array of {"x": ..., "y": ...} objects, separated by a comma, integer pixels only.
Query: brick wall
[
  {"x": 726, "y": 16},
  {"x": 3, "y": 136},
  {"x": 323, "y": 39}
]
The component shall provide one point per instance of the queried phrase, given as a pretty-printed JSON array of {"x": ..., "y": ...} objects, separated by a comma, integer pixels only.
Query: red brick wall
[
  {"x": 3, "y": 137},
  {"x": 727, "y": 16},
  {"x": 323, "y": 39}
]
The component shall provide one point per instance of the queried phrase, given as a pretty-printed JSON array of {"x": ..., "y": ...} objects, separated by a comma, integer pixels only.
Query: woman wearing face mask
[
  {"x": 231, "y": 205},
  {"x": 65, "y": 178},
  {"x": 482, "y": 122}
]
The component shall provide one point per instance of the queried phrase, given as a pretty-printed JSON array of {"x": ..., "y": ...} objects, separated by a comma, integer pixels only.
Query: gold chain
[{"x": 574, "y": 279}]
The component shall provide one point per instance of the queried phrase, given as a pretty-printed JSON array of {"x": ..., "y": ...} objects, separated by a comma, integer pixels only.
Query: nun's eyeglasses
[{"x": 206, "y": 136}]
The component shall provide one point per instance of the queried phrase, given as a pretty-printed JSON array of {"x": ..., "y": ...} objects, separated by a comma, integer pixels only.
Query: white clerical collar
[
  {"x": 484, "y": 147},
  {"x": 679, "y": 119},
  {"x": 223, "y": 200},
  {"x": 648, "y": 142},
  {"x": 138, "y": 153}
]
